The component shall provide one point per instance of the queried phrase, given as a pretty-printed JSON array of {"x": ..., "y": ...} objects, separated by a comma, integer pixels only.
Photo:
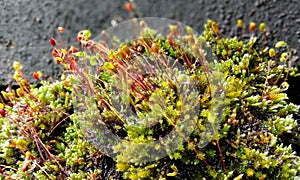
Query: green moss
[{"x": 41, "y": 137}]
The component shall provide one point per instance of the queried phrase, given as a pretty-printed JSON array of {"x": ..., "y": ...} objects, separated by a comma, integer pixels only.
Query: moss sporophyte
[{"x": 153, "y": 101}]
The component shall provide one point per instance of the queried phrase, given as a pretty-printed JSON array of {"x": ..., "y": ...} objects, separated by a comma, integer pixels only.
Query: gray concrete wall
[{"x": 27, "y": 25}]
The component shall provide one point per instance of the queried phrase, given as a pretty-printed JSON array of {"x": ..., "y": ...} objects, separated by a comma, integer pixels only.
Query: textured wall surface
[{"x": 27, "y": 25}]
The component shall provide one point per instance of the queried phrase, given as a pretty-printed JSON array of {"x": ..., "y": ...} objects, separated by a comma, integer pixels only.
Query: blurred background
[{"x": 27, "y": 25}]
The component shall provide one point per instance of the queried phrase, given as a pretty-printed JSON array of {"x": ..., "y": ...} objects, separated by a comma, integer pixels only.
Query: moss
[{"x": 41, "y": 136}]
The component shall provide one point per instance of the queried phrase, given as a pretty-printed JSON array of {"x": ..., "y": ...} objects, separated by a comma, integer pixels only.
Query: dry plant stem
[
  {"x": 47, "y": 152},
  {"x": 264, "y": 44},
  {"x": 44, "y": 172},
  {"x": 60, "y": 39},
  {"x": 221, "y": 155},
  {"x": 53, "y": 128},
  {"x": 266, "y": 81},
  {"x": 286, "y": 76},
  {"x": 241, "y": 29}
]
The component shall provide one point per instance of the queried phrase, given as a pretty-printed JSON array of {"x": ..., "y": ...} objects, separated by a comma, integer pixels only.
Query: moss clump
[{"x": 44, "y": 137}]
